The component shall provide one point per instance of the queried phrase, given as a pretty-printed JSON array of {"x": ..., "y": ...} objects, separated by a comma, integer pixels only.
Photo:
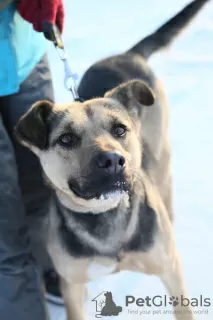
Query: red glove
[{"x": 39, "y": 11}]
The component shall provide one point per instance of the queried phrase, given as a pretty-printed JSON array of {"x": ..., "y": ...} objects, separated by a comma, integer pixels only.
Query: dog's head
[
  {"x": 108, "y": 296},
  {"x": 90, "y": 151}
]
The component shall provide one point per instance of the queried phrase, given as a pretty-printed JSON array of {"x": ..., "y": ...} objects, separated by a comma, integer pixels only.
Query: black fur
[
  {"x": 109, "y": 73},
  {"x": 33, "y": 127}
]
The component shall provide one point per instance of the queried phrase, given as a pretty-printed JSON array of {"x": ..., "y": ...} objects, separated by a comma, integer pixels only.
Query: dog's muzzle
[{"x": 106, "y": 178}]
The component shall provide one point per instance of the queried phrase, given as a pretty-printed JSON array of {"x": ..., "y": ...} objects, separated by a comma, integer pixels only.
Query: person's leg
[
  {"x": 38, "y": 86},
  {"x": 23, "y": 199},
  {"x": 20, "y": 294}
]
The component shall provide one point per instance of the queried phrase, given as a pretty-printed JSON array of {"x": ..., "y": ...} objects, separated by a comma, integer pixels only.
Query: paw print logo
[{"x": 174, "y": 301}]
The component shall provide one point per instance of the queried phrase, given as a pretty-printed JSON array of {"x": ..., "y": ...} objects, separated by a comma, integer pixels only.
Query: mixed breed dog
[{"x": 107, "y": 162}]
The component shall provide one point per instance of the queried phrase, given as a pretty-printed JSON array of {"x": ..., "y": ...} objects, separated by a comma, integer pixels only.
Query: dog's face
[{"x": 90, "y": 151}]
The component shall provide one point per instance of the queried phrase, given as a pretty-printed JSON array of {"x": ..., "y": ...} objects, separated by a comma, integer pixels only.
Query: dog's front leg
[
  {"x": 174, "y": 282},
  {"x": 163, "y": 261},
  {"x": 73, "y": 295}
]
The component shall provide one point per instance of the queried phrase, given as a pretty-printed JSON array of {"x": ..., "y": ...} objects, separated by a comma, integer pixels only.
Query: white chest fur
[
  {"x": 80, "y": 270},
  {"x": 100, "y": 268}
]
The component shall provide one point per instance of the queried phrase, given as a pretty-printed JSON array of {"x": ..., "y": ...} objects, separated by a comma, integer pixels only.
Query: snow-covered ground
[{"x": 95, "y": 29}]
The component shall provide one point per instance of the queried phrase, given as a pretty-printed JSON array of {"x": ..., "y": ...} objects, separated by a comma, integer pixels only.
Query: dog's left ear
[
  {"x": 132, "y": 93},
  {"x": 31, "y": 130}
]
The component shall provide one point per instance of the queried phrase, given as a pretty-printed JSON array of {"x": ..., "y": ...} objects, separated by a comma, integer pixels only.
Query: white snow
[{"x": 96, "y": 29}]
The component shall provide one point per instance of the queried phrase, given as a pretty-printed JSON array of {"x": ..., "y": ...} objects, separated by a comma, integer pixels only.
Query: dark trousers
[{"x": 23, "y": 199}]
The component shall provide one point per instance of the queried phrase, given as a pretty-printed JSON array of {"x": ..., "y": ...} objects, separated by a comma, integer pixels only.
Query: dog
[
  {"x": 107, "y": 162},
  {"x": 110, "y": 308}
]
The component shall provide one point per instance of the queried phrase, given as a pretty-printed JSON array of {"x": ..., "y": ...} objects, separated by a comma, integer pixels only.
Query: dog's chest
[
  {"x": 81, "y": 270},
  {"x": 100, "y": 268}
]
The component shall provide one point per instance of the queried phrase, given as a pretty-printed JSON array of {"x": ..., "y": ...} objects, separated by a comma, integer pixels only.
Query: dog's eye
[
  {"x": 119, "y": 130},
  {"x": 67, "y": 140}
]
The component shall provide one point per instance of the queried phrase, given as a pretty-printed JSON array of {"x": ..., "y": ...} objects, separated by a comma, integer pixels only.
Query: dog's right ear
[{"x": 31, "y": 130}]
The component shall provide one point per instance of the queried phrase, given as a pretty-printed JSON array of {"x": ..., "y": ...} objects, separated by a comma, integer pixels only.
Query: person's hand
[{"x": 39, "y": 11}]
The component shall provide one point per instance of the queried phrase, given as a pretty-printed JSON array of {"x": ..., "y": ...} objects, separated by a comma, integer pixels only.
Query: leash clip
[
  {"x": 52, "y": 33},
  {"x": 70, "y": 78}
]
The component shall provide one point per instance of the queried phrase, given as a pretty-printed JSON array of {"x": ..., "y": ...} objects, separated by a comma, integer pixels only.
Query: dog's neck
[
  {"x": 107, "y": 233},
  {"x": 93, "y": 234}
]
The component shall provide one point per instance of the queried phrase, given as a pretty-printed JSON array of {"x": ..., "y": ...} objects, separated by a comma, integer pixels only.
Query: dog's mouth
[{"x": 105, "y": 193}]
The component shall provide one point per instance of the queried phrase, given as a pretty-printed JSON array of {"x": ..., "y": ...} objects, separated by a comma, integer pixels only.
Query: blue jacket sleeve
[{"x": 21, "y": 49}]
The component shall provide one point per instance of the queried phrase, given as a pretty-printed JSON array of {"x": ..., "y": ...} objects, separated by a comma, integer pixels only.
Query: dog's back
[{"x": 110, "y": 72}]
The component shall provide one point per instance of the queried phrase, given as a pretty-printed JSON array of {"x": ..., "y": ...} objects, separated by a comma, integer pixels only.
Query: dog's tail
[{"x": 163, "y": 36}]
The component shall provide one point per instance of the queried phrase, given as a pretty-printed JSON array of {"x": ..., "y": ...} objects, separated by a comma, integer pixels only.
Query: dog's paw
[{"x": 174, "y": 301}]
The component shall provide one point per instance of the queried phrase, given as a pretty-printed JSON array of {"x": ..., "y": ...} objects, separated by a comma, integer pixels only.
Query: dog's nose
[{"x": 112, "y": 162}]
